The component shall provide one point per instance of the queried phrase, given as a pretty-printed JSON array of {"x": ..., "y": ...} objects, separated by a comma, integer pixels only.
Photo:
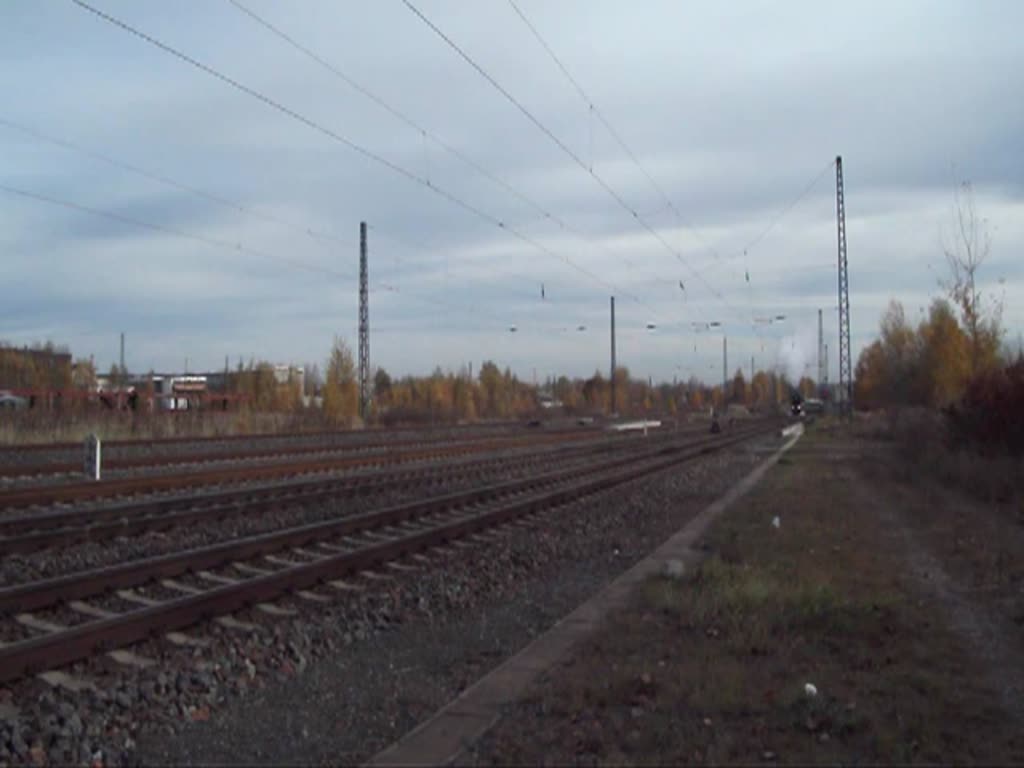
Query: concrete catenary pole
[
  {"x": 611, "y": 410},
  {"x": 821, "y": 353},
  {"x": 364, "y": 327},
  {"x": 725, "y": 368}
]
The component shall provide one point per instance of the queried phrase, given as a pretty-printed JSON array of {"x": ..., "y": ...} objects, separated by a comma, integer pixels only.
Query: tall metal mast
[
  {"x": 845, "y": 352},
  {"x": 364, "y": 327}
]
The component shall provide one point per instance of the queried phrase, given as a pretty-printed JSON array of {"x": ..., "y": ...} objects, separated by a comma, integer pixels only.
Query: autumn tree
[
  {"x": 566, "y": 392},
  {"x": 696, "y": 398},
  {"x": 463, "y": 397},
  {"x": 761, "y": 389},
  {"x": 869, "y": 378},
  {"x": 381, "y": 385},
  {"x": 967, "y": 249},
  {"x": 928, "y": 366},
  {"x": 287, "y": 395},
  {"x": 117, "y": 376},
  {"x": 944, "y": 360},
  {"x": 314, "y": 380},
  {"x": 738, "y": 393},
  {"x": 887, "y": 369},
  {"x": 898, "y": 347},
  {"x": 340, "y": 393},
  {"x": 806, "y": 387},
  {"x": 621, "y": 404},
  {"x": 83, "y": 375},
  {"x": 491, "y": 382},
  {"x": 595, "y": 392}
]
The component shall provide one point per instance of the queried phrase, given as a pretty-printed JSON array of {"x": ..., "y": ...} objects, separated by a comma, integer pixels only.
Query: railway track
[
  {"x": 224, "y": 578},
  {"x": 144, "y": 442},
  {"x": 26, "y": 533},
  {"x": 219, "y": 456},
  {"x": 36, "y": 496}
]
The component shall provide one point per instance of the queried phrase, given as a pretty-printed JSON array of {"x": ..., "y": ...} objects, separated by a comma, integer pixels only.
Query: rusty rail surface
[
  {"x": 510, "y": 500},
  {"x": 140, "y": 462},
  {"x": 135, "y": 442},
  {"x": 34, "y": 531},
  {"x": 80, "y": 491}
]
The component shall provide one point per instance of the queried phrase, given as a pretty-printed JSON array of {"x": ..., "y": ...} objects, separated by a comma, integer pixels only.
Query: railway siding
[{"x": 277, "y": 578}]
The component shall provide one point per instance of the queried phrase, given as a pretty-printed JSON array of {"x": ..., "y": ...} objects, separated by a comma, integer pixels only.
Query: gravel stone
[
  {"x": 485, "y": 603},
  {"x": 18, "y": 744},
  {"x": 358, "y": 672}
]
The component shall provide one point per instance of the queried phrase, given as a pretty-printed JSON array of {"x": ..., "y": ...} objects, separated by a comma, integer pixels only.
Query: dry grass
[
  {"x": 713, "y": 668},
  {"x": 920, "y": 437},
  {"x": 28, "y": 427}
]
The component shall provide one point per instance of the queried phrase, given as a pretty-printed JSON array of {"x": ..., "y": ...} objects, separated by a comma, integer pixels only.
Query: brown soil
[{"x": 899, "y": 601}]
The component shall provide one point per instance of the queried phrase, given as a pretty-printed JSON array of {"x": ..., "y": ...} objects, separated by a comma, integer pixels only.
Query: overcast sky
[{"x": 249, "y": 244}]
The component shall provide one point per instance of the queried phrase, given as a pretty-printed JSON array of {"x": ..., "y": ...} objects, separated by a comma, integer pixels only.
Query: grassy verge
[
  {"x": 920, "y": 437},
  {"x": 19, "y": 428},
  {"x": 714, "y": 667}
]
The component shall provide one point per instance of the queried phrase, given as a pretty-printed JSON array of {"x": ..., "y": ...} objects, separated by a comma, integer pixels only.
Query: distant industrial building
[{"x": 286, "y": 374}]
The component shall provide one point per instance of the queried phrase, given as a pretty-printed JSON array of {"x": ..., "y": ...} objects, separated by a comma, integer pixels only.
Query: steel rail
[
  {"x": 63, "y": 647},
  {"x": 151, "y": 441},
  {"x": 210, "y": 457},
  {"x": 67, "y": 492},
  {"x": 82, "y": 584},
  {"x": 23, "y": 534}
]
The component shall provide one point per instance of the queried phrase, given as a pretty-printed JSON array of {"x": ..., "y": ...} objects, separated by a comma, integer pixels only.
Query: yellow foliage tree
[
  {"x": 341, "y": 395},
  {"x": 945, "y": 356}
]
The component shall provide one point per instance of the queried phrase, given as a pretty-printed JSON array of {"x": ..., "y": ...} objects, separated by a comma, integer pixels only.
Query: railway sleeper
[{"x": 61, "y": 647}]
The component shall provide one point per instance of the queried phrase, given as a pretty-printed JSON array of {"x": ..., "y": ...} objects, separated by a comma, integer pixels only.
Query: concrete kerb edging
[{"x": 453, "y": 730}]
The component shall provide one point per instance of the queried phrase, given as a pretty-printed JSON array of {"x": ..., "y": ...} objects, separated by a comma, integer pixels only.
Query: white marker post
[{"x": 93, "y": 454}]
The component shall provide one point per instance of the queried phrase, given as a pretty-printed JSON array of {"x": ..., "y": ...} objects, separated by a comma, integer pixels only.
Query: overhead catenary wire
[
  {"x": 167, "y": 181},
  {"x": 358, "y": 148},
  {"x": 427, "y": 134},
  {"x": 616, "y": 136},
  {"x": 596, "y": 112},
  {"x": 233, "y": 247},
  {"x": 405, "y": 242},
  {"x": 565, "y": 149},
  {"x": 362, "y": 150},
  {"x": 806, "y": 190}
]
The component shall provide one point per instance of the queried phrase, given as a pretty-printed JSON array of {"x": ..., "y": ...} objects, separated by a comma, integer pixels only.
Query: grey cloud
[{"x": 732, "y": 111}]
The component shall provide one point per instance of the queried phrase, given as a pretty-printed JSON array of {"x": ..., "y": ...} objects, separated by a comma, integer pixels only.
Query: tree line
[{"x": 954, "y": 361}]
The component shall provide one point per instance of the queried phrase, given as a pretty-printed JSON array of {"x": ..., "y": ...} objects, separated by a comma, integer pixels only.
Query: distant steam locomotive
[{"x": 796, "y": 402}]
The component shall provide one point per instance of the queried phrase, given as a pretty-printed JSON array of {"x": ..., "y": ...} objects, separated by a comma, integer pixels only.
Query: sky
[{"x": 687, "y": 168}]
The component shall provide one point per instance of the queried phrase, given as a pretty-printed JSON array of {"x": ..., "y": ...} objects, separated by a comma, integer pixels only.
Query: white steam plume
[{"x": 798, "y": 356}]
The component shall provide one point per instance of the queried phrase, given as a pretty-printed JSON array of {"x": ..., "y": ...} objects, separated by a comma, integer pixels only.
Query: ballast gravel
[
  {"x": 21, "y": 568},
  {"x": 338, "y": 681}
]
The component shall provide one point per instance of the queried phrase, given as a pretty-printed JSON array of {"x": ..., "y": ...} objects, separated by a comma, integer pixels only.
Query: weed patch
[{"x": 715, "y": 667}]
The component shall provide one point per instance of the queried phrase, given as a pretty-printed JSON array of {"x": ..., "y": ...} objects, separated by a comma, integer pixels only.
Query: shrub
[{"x": 990, "y": 416}]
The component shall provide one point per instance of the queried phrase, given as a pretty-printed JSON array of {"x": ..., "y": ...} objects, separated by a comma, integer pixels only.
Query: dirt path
[
  {"x": 892, "y": 599},
  {"x": 992, "y": 639}
]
